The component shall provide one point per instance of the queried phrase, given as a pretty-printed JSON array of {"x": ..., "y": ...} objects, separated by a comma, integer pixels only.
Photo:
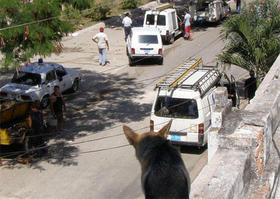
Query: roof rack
[
  {"x": 179, "y": 76},
  {"x": 164, "y": 6}
]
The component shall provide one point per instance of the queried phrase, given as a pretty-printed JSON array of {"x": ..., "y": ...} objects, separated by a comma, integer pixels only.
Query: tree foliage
[
  {"x": 129, "y": 4},
  {"x": 253, "y": 37},
  {"x": 20, "y": 42}
]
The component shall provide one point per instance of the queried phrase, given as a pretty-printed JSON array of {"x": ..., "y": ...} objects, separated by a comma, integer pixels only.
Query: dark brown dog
[{"x": 164, "y": 175}]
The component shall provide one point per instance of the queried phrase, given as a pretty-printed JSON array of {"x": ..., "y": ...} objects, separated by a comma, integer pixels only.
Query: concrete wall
[{"x": 241, "y": 144}]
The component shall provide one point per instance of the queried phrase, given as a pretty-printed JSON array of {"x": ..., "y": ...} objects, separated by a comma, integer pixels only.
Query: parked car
[
  {"x": 144, "y": 43},
  {"x": 37, "y": 80}
]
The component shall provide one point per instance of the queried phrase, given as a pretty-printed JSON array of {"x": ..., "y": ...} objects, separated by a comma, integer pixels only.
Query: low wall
[{"x": 245, "y": 141}]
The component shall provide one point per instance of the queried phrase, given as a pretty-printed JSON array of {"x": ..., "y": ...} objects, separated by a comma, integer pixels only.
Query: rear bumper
[{"x": 156, "y": 56}]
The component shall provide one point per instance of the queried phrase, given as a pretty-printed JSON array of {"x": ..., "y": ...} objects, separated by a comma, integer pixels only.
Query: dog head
[{"x": 135, "y": 139}]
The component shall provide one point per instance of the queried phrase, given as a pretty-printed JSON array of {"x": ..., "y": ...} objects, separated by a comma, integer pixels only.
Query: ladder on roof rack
[
  {"x": 164, "y": 6},
  {"x": 172, "y": 79}
]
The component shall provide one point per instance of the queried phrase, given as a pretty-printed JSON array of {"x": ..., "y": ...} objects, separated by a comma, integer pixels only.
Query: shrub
[
  {"x": 129, "y": 4},
  {"x": 99, "y": 11}
]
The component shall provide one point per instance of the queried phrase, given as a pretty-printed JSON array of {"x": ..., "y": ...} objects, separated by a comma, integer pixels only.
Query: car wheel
[
  {"x": 131, "y": 61},
  {"x": 75, "y": 86},
  {"x": 45, "y": 101},
  {"x": 160, "y": 61}
]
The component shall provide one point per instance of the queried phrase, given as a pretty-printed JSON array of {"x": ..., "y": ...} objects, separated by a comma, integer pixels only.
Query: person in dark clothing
[
  {"x": 139, "y": 21},
  {"x": 36, "y": 123},
  {"x": 238, "y": 6},
  {"x": 57, "y": 105},
  {"x": 250, "y": 86}
]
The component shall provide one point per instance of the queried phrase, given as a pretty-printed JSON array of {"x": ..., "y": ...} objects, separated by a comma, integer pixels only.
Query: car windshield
[
  {"x": 161, "y": 20},
  {"x": 151, "y": 39},
  {"x": 26, "y": 78},
  {"x": 176, "y": 107}
]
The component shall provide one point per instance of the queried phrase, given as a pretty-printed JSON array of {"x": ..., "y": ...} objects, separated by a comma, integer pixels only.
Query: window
[
  {"x": 176, "y": 108},
  {"x": 150, "y": 39},
  {"x": 50, "y": 76},
  {"x": 161, "y": 20},
  {"x": 150, "y": 19}
]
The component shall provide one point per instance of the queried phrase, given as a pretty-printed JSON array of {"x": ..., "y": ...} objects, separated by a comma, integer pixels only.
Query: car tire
[
  {"x": 45, "y": 102},
  {"x": 131, "y": 61},
  {"x": 160, "y": 61},
  {"x": 75, "y": 86}
]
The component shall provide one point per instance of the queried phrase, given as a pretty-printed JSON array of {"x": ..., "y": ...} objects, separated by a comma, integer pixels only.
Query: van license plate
[
  {"x": 175, "y": 137},
  {"x": 146, "y": 51}
]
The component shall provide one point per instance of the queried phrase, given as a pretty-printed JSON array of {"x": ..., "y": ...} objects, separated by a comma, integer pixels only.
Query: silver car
[{"x": 37, "y": 80}]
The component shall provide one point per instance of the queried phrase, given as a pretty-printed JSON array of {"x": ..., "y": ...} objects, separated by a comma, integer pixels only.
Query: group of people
[
  {"x": 37, "y": 124},
  {"x": 101, "y": 39}
]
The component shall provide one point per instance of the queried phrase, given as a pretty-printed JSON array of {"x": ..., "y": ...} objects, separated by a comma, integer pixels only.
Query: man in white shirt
[
  {"x": 102, "y": 41},
  {"x": 187, "y": 22},
  {"x": 127, "y": 25}
]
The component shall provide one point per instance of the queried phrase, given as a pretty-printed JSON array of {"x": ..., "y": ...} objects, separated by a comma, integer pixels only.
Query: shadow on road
[{"x": 103, "y": 101}]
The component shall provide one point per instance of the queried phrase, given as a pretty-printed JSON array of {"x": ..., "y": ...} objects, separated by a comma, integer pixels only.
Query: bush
[
  {"x": 129, "y": 4},
  {"x": 99, "y": 11}
]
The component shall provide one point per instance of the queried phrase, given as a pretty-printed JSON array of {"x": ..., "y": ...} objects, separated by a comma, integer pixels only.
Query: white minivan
[
  {"x": 166, "y": 21},
  {"x": 144, "y": 43},
  {"x": 188, "y": 101}
]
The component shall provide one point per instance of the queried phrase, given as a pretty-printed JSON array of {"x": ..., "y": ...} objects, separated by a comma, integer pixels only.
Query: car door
[
  {"x": 50, "y": 82},
  {"x": 64, "y": 78}
]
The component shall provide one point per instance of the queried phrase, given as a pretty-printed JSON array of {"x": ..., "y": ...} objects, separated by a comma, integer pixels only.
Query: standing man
[
  {"x": 127, "y": 25},
  {"x": 57, "y": 105},
  {"x": 102, "y": 41},
  {"x": 251, "y": 86},
  {"x": 36, "y": 123},
  {"x": 187, "y": 23}
]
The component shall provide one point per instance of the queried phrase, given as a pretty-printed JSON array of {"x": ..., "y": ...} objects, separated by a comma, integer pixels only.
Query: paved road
[{"x": 91, "y": 159}]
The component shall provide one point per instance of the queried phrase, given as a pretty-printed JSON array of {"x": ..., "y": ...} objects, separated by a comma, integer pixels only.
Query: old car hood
[{"x": 18, "y": 88}]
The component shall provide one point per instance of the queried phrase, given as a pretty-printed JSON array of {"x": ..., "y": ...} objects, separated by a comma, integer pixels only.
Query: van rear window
[
  {"x": 150, "y": 19},
  {"x": 176, "y": 108},
  {"x": 161, "y": 20},
  {"x": 150, "y": 39}
]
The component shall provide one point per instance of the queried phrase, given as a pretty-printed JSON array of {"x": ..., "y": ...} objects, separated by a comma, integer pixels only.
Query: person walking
[
  {"x": 187, "y": 23},
  {"x": 102, "y": 42},
  {"x": 127, "y": 22},
  {"x": 57, "y": 105}
]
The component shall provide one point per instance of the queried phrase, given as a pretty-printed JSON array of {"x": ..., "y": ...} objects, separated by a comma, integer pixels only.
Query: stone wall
[{"x": 245, "y": 141}]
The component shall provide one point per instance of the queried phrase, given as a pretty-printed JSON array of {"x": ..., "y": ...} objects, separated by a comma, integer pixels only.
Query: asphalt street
[{"x": 91, "y": 158}]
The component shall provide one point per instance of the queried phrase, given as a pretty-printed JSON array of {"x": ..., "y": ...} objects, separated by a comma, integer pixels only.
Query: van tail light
[
  {"x": 167, "y": 32},
  {"x": 151, "y": 125},
  {"x": 132, "y": 50},
  {"x": 160, "y": 51},
  {"x": 25, "y": 97},
  {"x": 213, "y": 19},
  {"x": 3, "y": 94},
  {"x": 201, "y": 128}
]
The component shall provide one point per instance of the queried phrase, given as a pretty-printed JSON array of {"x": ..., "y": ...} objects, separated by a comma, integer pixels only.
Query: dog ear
[
  {"x": 164, "y": 131},
  {"x": 130, "y": 135}
]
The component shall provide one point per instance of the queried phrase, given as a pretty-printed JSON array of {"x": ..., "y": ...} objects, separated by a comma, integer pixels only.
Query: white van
[
  {"x": 187, "y": 97},
  {"x": 166, "y": 21},
  {"x": 144, "y": 43}
]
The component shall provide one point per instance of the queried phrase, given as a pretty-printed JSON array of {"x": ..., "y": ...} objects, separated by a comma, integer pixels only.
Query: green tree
[
  {"x": 253, "y": 41},
  {"x": 19, "y": 42},
  {"x": 129, "y": 4}
]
